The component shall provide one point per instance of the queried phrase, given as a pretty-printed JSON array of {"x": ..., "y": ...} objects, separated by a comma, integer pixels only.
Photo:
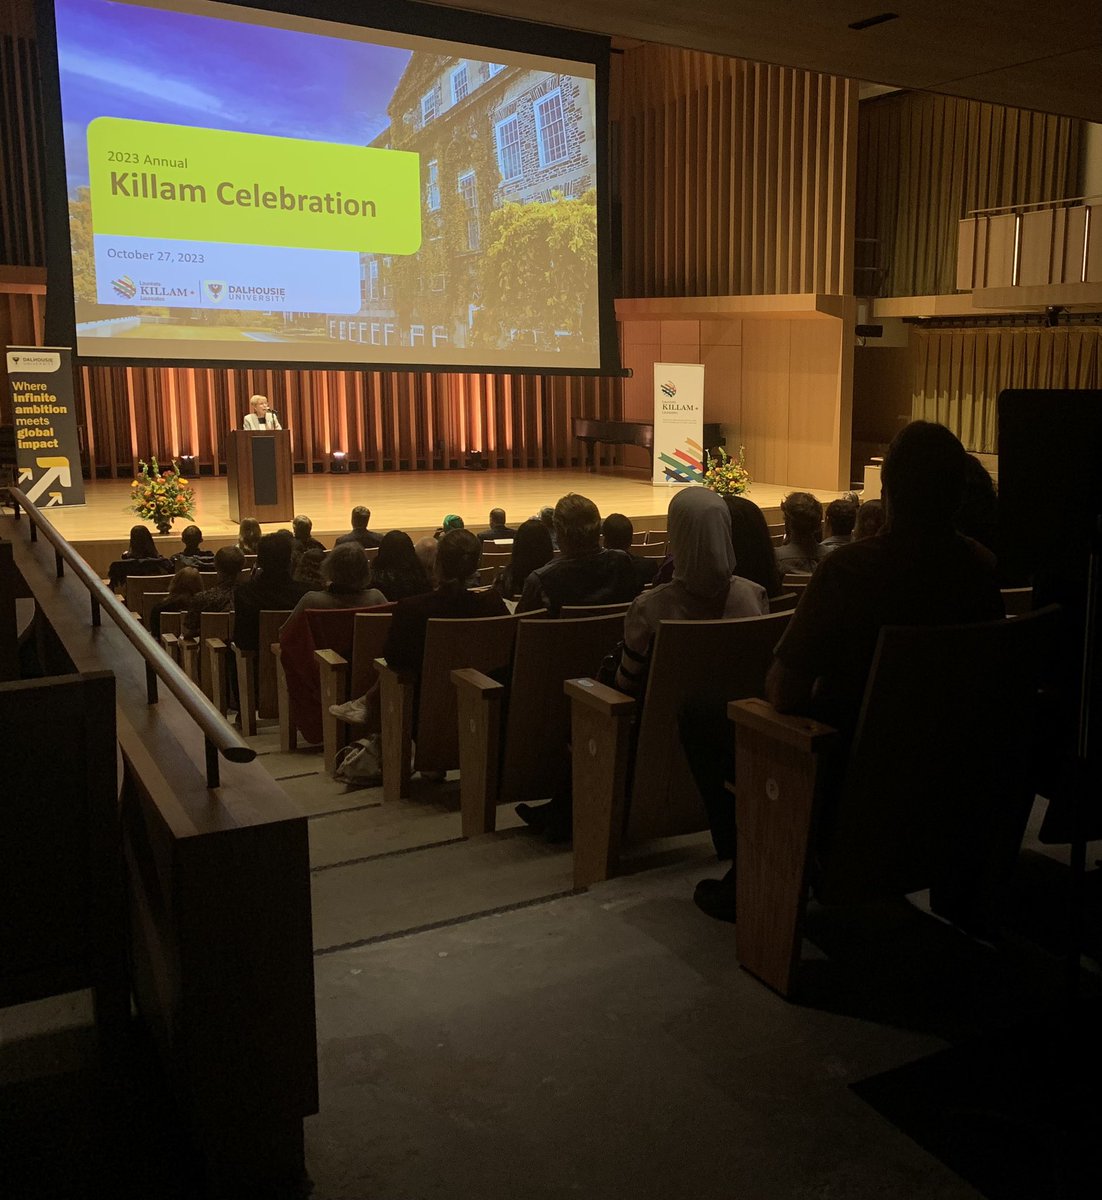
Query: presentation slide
[{"x": 248, "y": 186}]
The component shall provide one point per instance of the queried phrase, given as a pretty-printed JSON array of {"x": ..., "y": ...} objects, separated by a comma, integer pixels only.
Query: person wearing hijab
[{"x": 704, "y": 585}]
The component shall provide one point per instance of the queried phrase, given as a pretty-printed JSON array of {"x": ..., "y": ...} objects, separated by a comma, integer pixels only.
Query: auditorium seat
[
  {"x": 935, "y": 792},
  {"x": 653, "y": 795},
  {"x": 256, "y": 683},
  {"x": 484, "y": 643},
  {"x": 527, "y": 759},
  {"x": 343, "y": 677}
]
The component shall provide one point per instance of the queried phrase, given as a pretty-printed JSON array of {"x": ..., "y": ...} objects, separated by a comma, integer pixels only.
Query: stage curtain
[
  {"x": 960, "y": 372},
  {"x": 22, "y": 227},
  {"x": 926, "y": 161}
]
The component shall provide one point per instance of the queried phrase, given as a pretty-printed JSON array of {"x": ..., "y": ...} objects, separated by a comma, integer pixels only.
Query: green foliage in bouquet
[{"x": 160, "y": 495}]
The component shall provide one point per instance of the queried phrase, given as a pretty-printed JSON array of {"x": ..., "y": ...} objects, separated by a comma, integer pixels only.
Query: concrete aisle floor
[{"x": 602, "y": 1045}]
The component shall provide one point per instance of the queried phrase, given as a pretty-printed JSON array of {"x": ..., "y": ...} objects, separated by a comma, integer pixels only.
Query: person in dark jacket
[
  {"x": 360, "y": 533},
  {"x": 397, "y": 571},
  {"x": 141, "y": 557},
  {"x": 498, "y": 531},
  {"x": 585, "y": 574},
  {"x": 271, "y": 587},
  {"x": 616, "y": 533}
]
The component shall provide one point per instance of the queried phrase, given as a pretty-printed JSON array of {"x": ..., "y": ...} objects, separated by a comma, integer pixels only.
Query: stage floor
[{"x": 416, "y": 501}]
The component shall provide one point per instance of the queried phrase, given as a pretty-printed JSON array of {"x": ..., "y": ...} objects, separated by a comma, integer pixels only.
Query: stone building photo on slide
[{"x": 509, "y": 220}]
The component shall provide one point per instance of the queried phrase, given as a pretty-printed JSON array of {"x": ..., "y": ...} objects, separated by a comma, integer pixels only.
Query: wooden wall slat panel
[
  {"x": 925, "y": 161},
  {"x": 729, "y": 171}
]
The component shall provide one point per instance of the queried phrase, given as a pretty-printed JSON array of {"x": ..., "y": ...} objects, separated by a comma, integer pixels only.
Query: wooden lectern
[{"x": 258, "y": 474}]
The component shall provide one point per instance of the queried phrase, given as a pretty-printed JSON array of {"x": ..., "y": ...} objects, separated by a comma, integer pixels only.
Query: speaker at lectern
[{"x": 258, "y": 474}]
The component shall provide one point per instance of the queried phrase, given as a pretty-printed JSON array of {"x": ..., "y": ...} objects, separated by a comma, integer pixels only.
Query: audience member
[
  {"x": 397, "y": 571},
  {"x": 141, "y": 557},
  {"x": 425, "y": 549},
  {"x": 498, "y": 531},
  {"x": 704, "y": 585},
  {"x": 301, "y": 529},
  {"x": 870, "y": 520},
  {"x": 919, "y": 571},
  {"x": 360, "y": 533},
  {"x": 978, "y": 514},
  {"x": 185, "y": 586},
  {"x": 228, "y": 562},
  {"x": 451, "y": 521},
  {"x": 306, "y": 567},
  {"x": 193, "y": 554},
  {"x": 803, "y": 519},
  {"x": 346, "y": 573},
  {"x": 585, "y": 574},
  {"x": 457, "y": 555},
  {"x": 546, "y": 517},
  {"x": 616, "y": 534},
  {"x": 841, "y": 516},
  {"x": 271, "y": 587},
  {"x": 752, "y": 544},
  {"x": 248, "y": 535},
  {"x": 532, "y": 549}
]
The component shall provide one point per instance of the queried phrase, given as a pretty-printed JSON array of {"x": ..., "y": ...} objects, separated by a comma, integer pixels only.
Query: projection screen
[{"x": 261, "y": 187}]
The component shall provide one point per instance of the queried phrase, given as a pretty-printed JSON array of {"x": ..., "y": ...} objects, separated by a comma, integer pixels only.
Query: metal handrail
[
  {"x": 1016, "y": 208},
  {"x": 218, "y": 734}
]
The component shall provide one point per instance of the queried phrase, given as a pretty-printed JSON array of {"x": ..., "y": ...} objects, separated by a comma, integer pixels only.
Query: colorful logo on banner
[
  {"x": 685, "y": 464},
  {"x": 668, "y": 389}
]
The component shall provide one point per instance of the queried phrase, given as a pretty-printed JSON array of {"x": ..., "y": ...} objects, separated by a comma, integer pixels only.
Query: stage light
[
  {"x": 475, "y": 461},
  {"x": 338, "y": 462},
  {"x": 189, "y": 468}
]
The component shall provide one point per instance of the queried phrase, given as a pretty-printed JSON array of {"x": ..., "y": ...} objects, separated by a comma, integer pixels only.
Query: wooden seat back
[
  {"x": 938, "y": 784},
  {"x": 653, "y": 536},
  {"x": 138, "y": 585},
  {"x": 785, "y": 602},
  {"x": 537, "y": 725},
  {"x": 708, "y": 660},
  {"x": 796, "y": 582},
  {"x": 211, "y": 625},
  {"x": 149, "y": 599},
  {"x": 484, "y": 643},
  {"x": 1017, "y": 601},
  {"x": 369, "y": 633},
  {"x": 488, "y": 573},
  {"x": 651, "y": 550},
  {"x": 594, "y": 610},
  {"x": 271, "y": 621}
]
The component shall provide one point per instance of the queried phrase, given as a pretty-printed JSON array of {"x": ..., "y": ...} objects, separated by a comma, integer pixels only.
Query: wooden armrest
[
  {"x": 802, "y": 733},
  {"x": 136, "y": 615},
  {"x": 408, "y": 678},
  {"x": 475, "y": 684},
  {"x": 217, "y": 646},
  {"x": 330, "y": 658},
  {"x": 169, "y": 640},
  {"x": 597, "y": 696}
]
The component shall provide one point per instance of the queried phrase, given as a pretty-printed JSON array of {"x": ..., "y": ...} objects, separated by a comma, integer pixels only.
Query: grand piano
[{"x": 628, "y": 433}]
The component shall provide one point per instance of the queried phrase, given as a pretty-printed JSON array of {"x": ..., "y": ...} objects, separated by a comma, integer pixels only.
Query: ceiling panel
[{"x": 1019, "y": 52}]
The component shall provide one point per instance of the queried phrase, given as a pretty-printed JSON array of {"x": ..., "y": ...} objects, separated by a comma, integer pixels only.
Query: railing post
[
  {"x": 150, "y": 684},
  {"x": 95, "y": 611},
  {"x": 213, "y": 777},
  {"x": 59, "y": 564},
  {"x": 34, "y": 532}
]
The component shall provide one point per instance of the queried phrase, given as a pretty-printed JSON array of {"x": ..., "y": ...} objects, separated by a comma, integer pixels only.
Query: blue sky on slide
[{"x": 122, "y": 60}]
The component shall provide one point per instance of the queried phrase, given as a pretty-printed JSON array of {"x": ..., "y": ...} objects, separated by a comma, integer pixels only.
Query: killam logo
[
  {"x": 125, "y": 286},
  {"x": 669, "y": 390},
  {"x": 214, "y": 290}
]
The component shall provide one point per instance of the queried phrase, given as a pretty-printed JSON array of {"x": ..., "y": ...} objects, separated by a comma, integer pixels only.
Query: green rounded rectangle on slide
[{"x": 175, "y": 181}]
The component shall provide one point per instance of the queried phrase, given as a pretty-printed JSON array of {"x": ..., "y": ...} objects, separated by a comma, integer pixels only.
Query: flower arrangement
[
  {"x": 726, "y": 476},
  {"x": 161, "y": 495}
]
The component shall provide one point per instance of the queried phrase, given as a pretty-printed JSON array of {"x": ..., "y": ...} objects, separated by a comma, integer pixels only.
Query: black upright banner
[{"x": 47, "y": 449}]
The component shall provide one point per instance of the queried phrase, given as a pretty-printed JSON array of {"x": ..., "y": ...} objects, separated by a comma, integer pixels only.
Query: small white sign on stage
[{"x": 678, "y": 423}]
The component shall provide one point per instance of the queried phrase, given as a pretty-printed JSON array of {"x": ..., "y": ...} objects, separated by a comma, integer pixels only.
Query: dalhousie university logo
[
  {"x": 668, "y": 390},
  {"x": 125, "y": 287},
  {"x": 214, "y": 290}
]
